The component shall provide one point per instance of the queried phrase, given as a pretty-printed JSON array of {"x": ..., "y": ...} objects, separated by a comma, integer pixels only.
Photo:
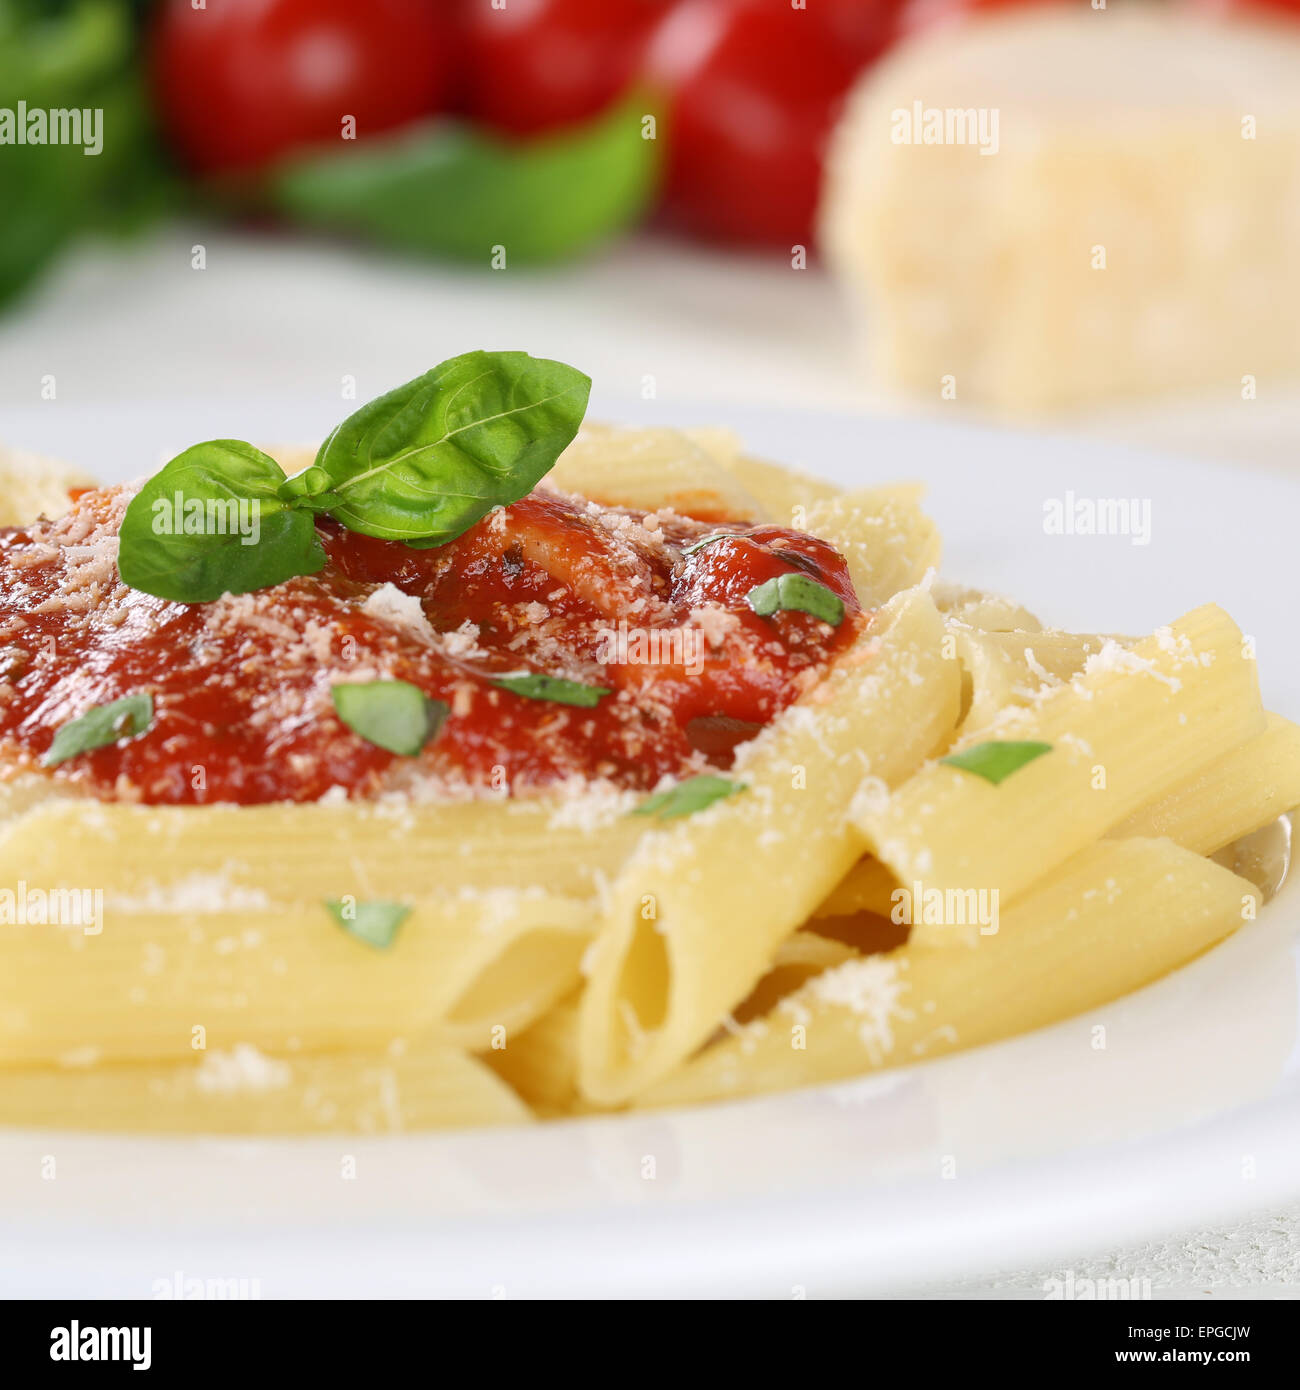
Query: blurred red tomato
[
  {"x": 541, "y": 63},
  {"x": 241, "y": 81},
  {"x": 752, "y": 88},
  {"x": 865, "y": 27}
]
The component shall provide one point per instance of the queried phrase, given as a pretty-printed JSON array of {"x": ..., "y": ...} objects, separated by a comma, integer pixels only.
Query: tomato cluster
[{"x": 748, "y": 89}]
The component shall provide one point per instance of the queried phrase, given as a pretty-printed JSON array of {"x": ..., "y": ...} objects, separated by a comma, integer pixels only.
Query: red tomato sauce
[{"x": 551, "y": 584}]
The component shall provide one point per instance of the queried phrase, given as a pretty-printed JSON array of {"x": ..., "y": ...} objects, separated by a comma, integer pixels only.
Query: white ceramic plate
[{"x": 1028, "y": 1152}]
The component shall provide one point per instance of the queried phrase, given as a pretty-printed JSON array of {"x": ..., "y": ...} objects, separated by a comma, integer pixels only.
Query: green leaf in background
[
  {"x": 563, "y": 692},
  {"x": 799, "y": 592},
  {"x": 448, "y": 190},
  {"x": 98, "y": 727},
  {"x": 375, "y": 923},
  {"x": 995, "y": 762},
  {"x": 212, "y": 522},
  {"x": 687, "y": 797},
  {"x": 426, "y": 461},
  {"x": 73, "y": 56},
  {"x": 394, "y": 715}
]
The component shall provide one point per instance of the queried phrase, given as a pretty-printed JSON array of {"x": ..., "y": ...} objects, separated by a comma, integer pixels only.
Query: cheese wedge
[{"x": 1046, "y": 210}]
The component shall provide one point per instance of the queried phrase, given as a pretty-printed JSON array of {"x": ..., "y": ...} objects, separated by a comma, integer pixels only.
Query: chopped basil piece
[
  {"x": 374, "y": 923},
  {"x": 394, "y": 715},
  {"x": 128, "y": 717},
  {"x": 556, "y": 688},
  {"x": 687, "y": 797},
  {"x": 796, "y": 591},
  {"x": 995, "y": 762}
]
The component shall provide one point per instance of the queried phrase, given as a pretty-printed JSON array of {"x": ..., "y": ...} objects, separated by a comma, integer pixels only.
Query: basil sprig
[
  {"x": 98, "y": 727},
  {"x": 536, "y": 686},
  {"x": 421, "y": 465},
  {"x": 995, "y": 762},
  {"x": 213, "y": 522},
  {"x": 394, "y": 715},
  {"x": 796, "y": 591}
]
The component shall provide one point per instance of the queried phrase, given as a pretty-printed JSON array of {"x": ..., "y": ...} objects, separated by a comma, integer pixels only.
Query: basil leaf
[
  {"x": 374, "y": 923},
  {"x": 394, "y": 715},
  {"x": 212, "y": 522},
  {"x": 995, "y": 762},
  {"x": 448, "y": 189},
  {"x": 128, "y": 717},
  {"x": 426, "y": 461},
  {"x": 687, "y": 797},
  {"x": 556, "y": 688},
  {"x": 796, "y": 591},
  {"x": 708, "y": 540}
]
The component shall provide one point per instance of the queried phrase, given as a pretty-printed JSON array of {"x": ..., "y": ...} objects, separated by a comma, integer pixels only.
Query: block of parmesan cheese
[{"x": 1050, "y": 209}]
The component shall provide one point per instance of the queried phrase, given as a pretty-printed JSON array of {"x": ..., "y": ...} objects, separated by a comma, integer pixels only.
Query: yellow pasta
[
  {"x": 1123, "y": 733},
  {"x": 164, "y": 974},
  {"x": 540, "y": 1063},
  {"x": 242, "y": 1092},
  {"x": 312, "y": 852},
  {"x": 31, "y": 486},
  {"x": 1117, "y": 916},
  {"x": 856, "y": 904},
  {"x": 867, "y": 887},
  {"x": 784, "y": 494},
  {"x": 1246, "y": 789},
  {"x": 889, "y": 542},
  {"x": 1014, "y": 668},
  {"x": 687, "y": 932},
  {"x": 654, "y": 469}
]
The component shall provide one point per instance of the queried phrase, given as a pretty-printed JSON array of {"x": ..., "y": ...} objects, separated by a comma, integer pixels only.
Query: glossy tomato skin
[
  {"x": 241, "y": 82},
  {"x": 750, "y": 91},
  {"x": 538, "y": 64}
]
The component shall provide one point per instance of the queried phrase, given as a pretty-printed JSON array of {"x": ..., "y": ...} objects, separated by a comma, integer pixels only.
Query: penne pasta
[
  {"x": 654, "y": 469},
  {"x": 160, "y": 975},
  {"x": 1121, "y": 734},
  {"x": 784, "y": 495},
  {"x": 750, "y": 873},
  {"x": 685, "y": 936},
  {"x": 1117, "y": 916},
  {"x": 241, "y": 1092},
  {"x": 1241, "y": 792},
  {"x": 887, "y": 539}
]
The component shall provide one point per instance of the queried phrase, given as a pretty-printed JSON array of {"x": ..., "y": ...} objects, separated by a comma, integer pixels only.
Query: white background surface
[{"x": 271, "y": 320}]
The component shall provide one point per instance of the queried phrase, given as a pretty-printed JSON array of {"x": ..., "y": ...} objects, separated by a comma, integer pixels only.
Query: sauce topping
[{"x": 551, "y": 584}]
